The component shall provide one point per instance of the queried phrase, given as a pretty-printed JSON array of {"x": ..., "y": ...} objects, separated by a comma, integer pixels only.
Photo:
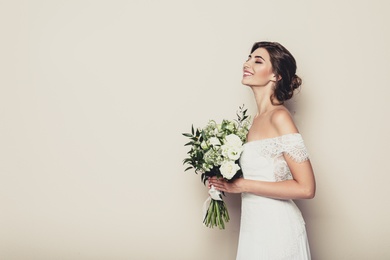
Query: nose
[{"x": 246, "y": 65}]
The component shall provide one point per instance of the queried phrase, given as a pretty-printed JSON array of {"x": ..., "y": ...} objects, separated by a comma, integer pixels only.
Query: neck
[{"x": 263, "y": 100}]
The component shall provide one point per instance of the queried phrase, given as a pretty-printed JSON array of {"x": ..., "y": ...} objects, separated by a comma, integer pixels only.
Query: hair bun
[{"x": 295, "y": 82}]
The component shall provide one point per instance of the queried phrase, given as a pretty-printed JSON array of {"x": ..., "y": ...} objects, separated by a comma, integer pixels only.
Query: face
[{"x": 258, "y": 69}]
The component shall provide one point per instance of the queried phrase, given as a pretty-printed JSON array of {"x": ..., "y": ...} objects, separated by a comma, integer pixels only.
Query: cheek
[{"x": 263, "y": 74}]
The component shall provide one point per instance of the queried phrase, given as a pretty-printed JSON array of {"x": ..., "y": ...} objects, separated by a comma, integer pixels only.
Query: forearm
[{"x": 289, "y": 189}]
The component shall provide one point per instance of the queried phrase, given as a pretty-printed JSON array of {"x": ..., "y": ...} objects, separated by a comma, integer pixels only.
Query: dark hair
[{"x": 284, "y": 67}]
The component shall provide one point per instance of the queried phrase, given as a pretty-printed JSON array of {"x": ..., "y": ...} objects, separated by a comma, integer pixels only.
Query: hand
[{"x": 230, "y": 187}]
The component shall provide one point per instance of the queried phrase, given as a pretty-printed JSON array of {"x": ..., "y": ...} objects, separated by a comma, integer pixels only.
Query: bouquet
[{"x": 215, "y": 151}]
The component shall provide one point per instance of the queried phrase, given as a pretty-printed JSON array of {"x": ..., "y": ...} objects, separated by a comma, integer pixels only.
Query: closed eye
[{"x": 258, "y": 60}]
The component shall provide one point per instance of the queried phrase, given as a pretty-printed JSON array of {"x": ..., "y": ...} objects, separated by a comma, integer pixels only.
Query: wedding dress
[{"x": 271, "y": 229}]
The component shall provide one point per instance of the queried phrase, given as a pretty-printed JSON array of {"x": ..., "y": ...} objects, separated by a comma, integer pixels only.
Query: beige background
[{"x": 95, "y": 95}]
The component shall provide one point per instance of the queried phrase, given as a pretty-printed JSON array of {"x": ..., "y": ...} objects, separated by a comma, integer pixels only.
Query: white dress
[{"x": 271, "y": 229}]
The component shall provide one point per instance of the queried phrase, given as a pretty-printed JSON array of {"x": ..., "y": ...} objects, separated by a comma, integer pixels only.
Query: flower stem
[{"x": 217, "y": 214}]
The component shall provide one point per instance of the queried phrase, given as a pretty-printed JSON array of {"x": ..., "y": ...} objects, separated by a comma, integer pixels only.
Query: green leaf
[
  {"x": 187, "y": 135},
  {"x": 188, "y": 168},
  {"x": 203, "y": 135},
  {"x": 189, "y": 143},
  {"x": 192, "y": 129},
  {"x": 187, "y": 160}
]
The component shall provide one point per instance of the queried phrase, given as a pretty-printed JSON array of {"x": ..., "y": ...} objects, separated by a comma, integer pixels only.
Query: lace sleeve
[{"x": 294, "y": 147}]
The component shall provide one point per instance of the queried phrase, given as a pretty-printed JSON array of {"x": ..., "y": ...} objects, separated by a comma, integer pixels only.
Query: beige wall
[{"x": 95, "y": 96}]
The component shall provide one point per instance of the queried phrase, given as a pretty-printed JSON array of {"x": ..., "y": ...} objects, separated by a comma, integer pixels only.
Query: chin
[{"x": 244, "y": 82}]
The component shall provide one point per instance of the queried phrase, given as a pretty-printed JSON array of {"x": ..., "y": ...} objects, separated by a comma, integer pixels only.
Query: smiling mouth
[{"x": 247, "y": 73}]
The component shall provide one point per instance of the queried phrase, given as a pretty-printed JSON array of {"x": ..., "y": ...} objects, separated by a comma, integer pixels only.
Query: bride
[{"x": 275, "y": 163}]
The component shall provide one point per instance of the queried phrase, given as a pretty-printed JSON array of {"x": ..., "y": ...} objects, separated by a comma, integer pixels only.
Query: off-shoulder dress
[{"x": 271, "y": 229}]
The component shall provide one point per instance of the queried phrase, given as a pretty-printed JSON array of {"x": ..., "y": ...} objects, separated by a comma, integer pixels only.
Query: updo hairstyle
[{"x": 284, "y": 67}]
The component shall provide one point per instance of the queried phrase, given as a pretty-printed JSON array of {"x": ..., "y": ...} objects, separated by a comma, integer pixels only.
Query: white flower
[
  {"x": 214, "y": 141},
  {"x": 234, "y": 153},
  {"x": 233, "y": 140},
  {"x": 229, "y": 169},
  {"x": 232, "y": 148},
  {"x": 231, "y": 152},
  {"x": 204, "y": 145}
]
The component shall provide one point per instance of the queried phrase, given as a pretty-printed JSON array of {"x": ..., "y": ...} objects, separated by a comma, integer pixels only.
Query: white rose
[
  {"x": 231, "y": 152},
  {"x": 234, "y": 153},
  {"x": 214, "y": 141},
  {"x": 229, "y": 169},
  {"x": 233, "y": 140}
]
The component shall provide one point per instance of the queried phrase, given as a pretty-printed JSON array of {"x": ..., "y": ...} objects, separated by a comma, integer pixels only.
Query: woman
[{"x": 275, "y": 163}]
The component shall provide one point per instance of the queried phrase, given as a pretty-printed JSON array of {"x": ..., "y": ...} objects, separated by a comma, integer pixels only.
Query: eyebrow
[{"x": 250, "y": 56}]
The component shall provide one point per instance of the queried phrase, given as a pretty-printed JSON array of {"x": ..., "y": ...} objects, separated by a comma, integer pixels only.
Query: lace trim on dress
[
  {"x": 294, "y": 147},
  {"x": 281, "y": 170},
  {"x": 274, "y": 148}
]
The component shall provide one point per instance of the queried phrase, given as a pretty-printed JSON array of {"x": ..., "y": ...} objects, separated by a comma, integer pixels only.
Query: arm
[{"x": 302, "y": 186}]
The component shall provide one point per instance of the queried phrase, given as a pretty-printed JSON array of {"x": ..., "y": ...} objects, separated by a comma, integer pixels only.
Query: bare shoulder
[{"x": 283, "y": 122}]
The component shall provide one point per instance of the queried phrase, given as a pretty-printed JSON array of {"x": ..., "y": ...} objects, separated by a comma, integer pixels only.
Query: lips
[{"x": 247, "y": 73}]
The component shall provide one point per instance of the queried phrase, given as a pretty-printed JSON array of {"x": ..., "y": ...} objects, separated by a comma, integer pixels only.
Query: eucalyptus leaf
[{"x": 188, "y": 168}]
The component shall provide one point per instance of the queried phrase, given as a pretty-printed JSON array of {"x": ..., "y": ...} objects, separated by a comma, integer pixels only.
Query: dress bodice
[{"x": 264, "y": 159}]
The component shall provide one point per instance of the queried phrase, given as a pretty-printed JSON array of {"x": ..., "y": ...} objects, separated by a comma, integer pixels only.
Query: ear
[{"x": 276, "y": 78}]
